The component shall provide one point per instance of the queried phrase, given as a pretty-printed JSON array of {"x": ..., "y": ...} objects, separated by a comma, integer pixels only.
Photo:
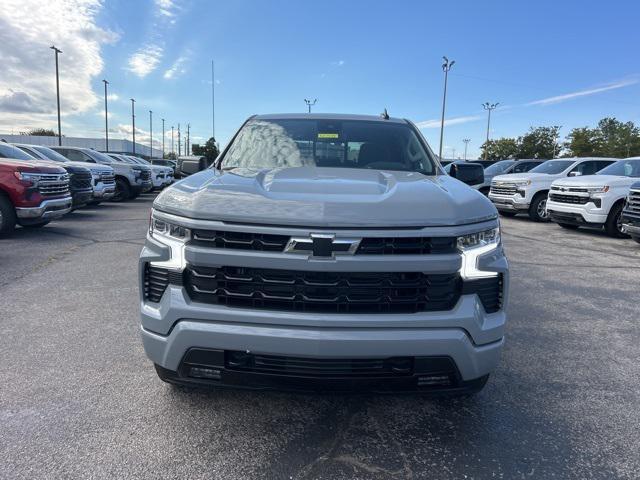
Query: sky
[{"x": 567, "y": 63}]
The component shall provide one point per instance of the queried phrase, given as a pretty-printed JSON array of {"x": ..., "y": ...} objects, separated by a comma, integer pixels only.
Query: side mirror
[
  {"x": 191, "y": 166},
  {"x": 469, "y": 173},
  {"x": 575, "y": 174}
]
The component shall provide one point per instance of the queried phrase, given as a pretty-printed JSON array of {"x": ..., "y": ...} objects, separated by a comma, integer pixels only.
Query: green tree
[
  {"x": 582, "y": 142},
  {"x": 40, "y": 132},
  {"x": 539, "y": 142},
  {"x": 617, "y": 139},
  {"x": 499, "y": 149},
  {"x": 210, "y": 150}
]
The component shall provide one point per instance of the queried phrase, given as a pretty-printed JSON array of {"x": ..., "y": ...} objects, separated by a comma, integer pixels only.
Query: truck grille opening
[
  {"x": 368, "y": 246},
  {"x": 145, "y": 175},
  {"x": 326, "y": 292},
  {"x": 52, "y": 185},
  {"x": 633, "y": 203},
  {"x": 574, "y": 199},
  {"x": 503, "y": 189},
  {"x": 156, "y": 281},
  {"x": 81, "y": 181},
  {"x": 489, "y": 290}
]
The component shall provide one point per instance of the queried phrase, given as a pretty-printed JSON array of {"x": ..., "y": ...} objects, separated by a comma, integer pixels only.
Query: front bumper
[
  {"x": 581, "y": 214},
  {"x": 81, "y": 198},
  {"x": 48, "y": 209},
  {"x": 511, "y": 203},
  {"x": 104, "y": 191},
  {"x": 146, "y": 186},
  {"x": 631, "y": 223}
]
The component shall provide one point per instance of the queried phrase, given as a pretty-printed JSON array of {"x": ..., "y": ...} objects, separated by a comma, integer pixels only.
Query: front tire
[
  {"x": 7, "y": 216},
  {"x": 538, "y": 209},
  {"x": 123, "y": 191},
  {"x": 613, "y": 225}
]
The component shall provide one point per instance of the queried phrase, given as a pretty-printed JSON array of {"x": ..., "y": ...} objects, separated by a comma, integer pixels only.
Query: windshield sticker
[{"x": 328, "y": 135}]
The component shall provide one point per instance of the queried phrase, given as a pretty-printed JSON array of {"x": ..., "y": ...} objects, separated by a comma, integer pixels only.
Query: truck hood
[
  {"x": 331, "y": 197},
  {"x": 596, "y": 181},
  {"x": 519, "y": 177},
  {"x": 93, "y": 167},
  {"x": 35, "y": 166}
]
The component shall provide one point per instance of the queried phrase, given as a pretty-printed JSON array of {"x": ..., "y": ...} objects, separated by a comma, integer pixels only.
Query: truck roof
[{"x": 328, "y": 116}]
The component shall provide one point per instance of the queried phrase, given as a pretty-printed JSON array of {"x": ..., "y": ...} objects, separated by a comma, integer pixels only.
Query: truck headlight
[
  {"x": 472, "y": 246},
  {"x": 596, "y": 190},
  {"x": 28, "y": 179},
  {"x": 522, "y": 183},
  {"x": 173, "y": 236}
]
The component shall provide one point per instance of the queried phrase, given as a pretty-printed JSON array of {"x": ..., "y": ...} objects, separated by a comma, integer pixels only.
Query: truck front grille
[
  {"x": 573, "y": 199},
  {"x": 145, "y": 175},
  {"x": 368, "y": 246},
  {"x": 81, "y": 181},
  {"x": 156, "y": 281},
  {"x": 53, "y": 185},
  {"x": 326, "y": 292},
  {"x": 633, "y": 202},
  {"x": 504, "y": 189}
]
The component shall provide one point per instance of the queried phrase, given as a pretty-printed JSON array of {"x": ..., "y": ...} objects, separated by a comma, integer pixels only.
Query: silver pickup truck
[{"x": 324, "y": 252}]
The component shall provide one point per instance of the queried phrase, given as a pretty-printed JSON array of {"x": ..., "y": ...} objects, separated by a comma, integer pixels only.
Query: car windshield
[
  {"x": 9, "y": 151},
  {"x": 553, "y": 167},
  {"x": 622, "y": 168},
  {"x": 499, "y": 167},
  {"x": 51, "y": 154},
  {"x": 328, "y": 143},
  {"x": 98, "y": 156}
]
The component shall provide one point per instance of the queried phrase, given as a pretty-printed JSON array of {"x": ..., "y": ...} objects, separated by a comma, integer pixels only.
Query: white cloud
[
  {"x": 582, "y": 93},
  {"x": 166, "y": 8},
  {"x": 450, "y": 121},
  {"x": 27, "y": 83},
  {"x": 113, "y": 97},
  {"x": 178, "y": 67},
  {"x": 145, "y": 60}
]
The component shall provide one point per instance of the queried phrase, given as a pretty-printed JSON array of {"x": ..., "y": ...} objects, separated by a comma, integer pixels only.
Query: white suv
[
  {"x": 527, "y": 192},
  {"x": 594, "y": 200}
]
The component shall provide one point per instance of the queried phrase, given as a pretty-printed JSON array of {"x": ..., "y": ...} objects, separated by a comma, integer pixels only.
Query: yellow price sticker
[{"x": 327, "y": 135}]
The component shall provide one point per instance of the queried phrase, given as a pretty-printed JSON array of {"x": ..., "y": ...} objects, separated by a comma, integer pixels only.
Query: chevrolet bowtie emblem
[{"x": 323, "y": 245}]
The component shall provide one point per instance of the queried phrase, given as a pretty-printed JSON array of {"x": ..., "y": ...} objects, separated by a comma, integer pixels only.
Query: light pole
[
  {"x": 179, "y": 144},
  {"x": 489, "y": 107},
  {"x": 446, "y": 66},
  {"x": 188, "y": 138},
  {"x": 57, "y": 50},
  {"x": 106, "y": 121},
  {"x": 172, "y": 151},
  {"x": 150, "y": 134},
  {"x": 133, "y": 123},
  {"x": 466, "y": 144},
  {"x": 310, "y": 103},
  {"x": 163, "y": 138},
  {"x": 213, "y": 105}
]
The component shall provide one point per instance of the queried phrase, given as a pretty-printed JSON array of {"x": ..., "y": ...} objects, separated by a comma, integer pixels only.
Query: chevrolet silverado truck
[
  {"x": 103, "y": 179},
  {"x": 527, "y": 192},
  {"x": 631, "y": 213},
  {"x": 80, "y": 178},
  {"x": 147, "y": 172},
  {"x": 324, "y": 252},
  {"x": 130, "y": 180},
  {"x": 161, "y": 176},
  {"x": 594, "y": 200},
  {"x": 32, "y": 193}
]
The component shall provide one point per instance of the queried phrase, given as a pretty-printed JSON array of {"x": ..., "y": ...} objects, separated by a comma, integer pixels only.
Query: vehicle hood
[
  {"x": 596, "y": 181},
  {"x": 76, "y": 167},
  {"x": 95, "y": 168},
  {"x": 36, "y": 166},
  {"x": 332, "y": 197},
  {"x": 519, "y": 177}
]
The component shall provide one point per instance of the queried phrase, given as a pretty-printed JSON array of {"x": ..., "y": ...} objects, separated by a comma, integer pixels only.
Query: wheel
[
  {"x": 538, "y": 209},
  {"x": 508, "y": 214},
  {"x": 613, "y": 225},
  {"x": 123, "y": 191},
  {"x": 637, "y": 239},
  {"x": 39, "y": 224},
  {"x": 568, "y": 226},
  {"x": 7, "y": 216}
]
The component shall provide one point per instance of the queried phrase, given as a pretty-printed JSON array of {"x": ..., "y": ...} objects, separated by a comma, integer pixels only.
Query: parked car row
[
  {"x": 39, "y": 184},
  {"x": 572, "y": 193}
]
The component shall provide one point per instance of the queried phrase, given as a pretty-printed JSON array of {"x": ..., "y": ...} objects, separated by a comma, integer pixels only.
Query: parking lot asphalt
[{"x": 79, "y": 399}]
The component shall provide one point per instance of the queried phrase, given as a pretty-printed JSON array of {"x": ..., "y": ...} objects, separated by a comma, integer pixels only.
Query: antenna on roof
[{"x": 384, "y": 114}]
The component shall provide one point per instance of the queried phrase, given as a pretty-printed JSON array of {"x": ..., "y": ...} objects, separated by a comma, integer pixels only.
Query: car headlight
[
  {"x": 522, "y": 183},
  {"x": 28, "y": 179},
  {"x": 173, "y": 236},
  {"x": 472, "y": 246},
  {"x": 593, "y": 190}
]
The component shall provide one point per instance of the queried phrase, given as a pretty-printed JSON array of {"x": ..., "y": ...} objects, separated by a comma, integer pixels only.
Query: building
[{"x": 115, "y": 145}]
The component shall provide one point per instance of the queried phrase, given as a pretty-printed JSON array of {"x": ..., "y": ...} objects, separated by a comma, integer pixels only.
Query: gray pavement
[{"x": 78, "y": 399}]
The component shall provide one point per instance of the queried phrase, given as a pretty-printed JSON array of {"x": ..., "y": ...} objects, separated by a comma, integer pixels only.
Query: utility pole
[
  {"x": 163, "y": 138},
  {"x": 185, "y": 145},
  {"x": 466, "y": 144},
  {"x": 57, "y": 50},
  {"x": 310, "y": 103},
  {"x": 150, "y": 134},
  {"x": 213, "y": 104},
  {"x": 179, "y": 144},
  {"x": 489, "y": 107},
  {"x": 172, "y": 150},
  {"x": 446, "y": 66},
  {"x": 188, "y": 138},
  {"x": 106, "y": 121},
  {"x": 133, "y": 124}
]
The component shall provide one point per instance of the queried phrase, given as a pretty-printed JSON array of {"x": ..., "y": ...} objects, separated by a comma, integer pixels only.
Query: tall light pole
[
  {"x": 150, "y": 134},
  {"x": 179, "y": 147},
  {"x": 310, "y": 103},
  {"x": 446, "y": 66},
  {"x": 57, "y": 50},
  {"x": 106, "y": 121},
  {"x": 466, "y": 144},
  {"x": 172, "y": 151},
  {"x": 213, "y": 105},
  {"x": 133, "y": 124},
  {"x": 188, "y": 138},
  {"x": 163, "y": 138},
  {"x": 489, "y": 107}
]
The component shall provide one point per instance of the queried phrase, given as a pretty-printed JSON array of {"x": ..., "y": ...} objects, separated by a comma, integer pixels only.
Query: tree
[
  {"x": 40, "y": 132},
  {"x": 582, "y": 142},
  {"x": 210, "y": 150},
  {"x": 611, "y": 138},
  {"x": 500, "y": 149},
  {"x": 540, "y": 142}
]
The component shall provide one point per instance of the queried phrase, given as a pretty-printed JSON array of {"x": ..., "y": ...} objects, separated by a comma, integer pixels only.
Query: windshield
[
  {"x": 51, "y": 154},
  {"x": 328, "y": 143},
  {"x": 9, "y": 151},
  {"x": 622, "y": 168},
  {"x": 499, "y": 167},
  {"x": 98, "y": 156},
  {"x": 553, "y": 167}
]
